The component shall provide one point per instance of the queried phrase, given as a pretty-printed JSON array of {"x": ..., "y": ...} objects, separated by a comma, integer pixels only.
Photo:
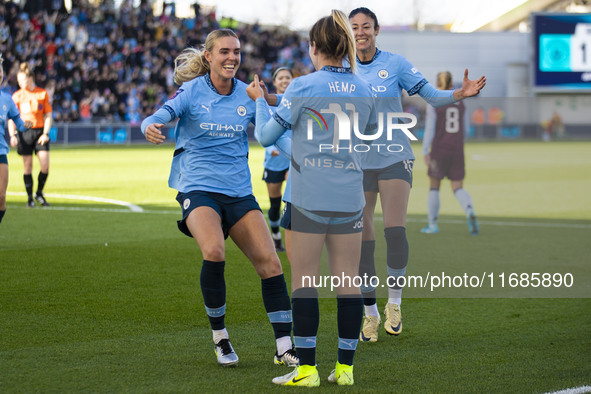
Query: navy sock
[
  {"x": 349, "y": 317},
  {"x": 306, "y": 317},
  {"x": 277, "y": 305},
  {"x": 213, "y": 288},
  {"x": 367, "y": 269},
  {"x": 274, "y": 213},
  {"x": 41, "y": 181},
  {"x": 28, "y": 178},
  {"x": 2, "y": 215},
  {"x": 396, "y": 252}
]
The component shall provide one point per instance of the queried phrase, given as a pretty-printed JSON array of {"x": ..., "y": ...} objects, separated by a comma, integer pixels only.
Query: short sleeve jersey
[
  {"x": 33, "y": 105},
  {"x": 211, "y": 141},
  {"x": 389, "y": 73},
  {"x": 321, "y": 109},
  {"x": 8, "y": 110}
]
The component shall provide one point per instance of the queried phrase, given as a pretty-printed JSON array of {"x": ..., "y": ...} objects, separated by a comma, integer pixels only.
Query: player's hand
[
  {"x": 13, "y": 141},
  {"x": 44, "y": 139},
  {"x": 469, "y": 88},
  {"x": 427, "y": 159},
  {"x": 28, "y": 124},
  {"x": 153, "y": 133},
  {"x": 275, "y": 153},
  {"x": 254, "y": 90}
]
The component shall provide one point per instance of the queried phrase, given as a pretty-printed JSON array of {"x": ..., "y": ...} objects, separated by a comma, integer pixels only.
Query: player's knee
[
  {"x": 213, "y": 252},
  {"x": 268, "y": 265}
]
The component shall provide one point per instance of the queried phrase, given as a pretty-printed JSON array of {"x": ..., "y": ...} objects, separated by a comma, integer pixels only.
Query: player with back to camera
[
  {"x": 276, "y": 166},
  {"x": 34, "y": 105},
  {"x": 8, "y": 110},
  {"x": 390, "y": 173},
  {"x": 210, "y": 171},
  {"x": 443, "y": 152},
  {"x": 326, "y": 200}
]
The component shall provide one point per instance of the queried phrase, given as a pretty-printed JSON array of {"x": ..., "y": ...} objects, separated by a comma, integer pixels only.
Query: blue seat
[
  {"x": 106, "y": 137},
  {"x": 53, "y": 134},
  {"x": 120, "y": 136}
]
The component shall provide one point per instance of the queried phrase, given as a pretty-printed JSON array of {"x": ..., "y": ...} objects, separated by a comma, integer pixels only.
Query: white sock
[
  {"x": 276, "y": 236},
  {"x": 218, "y": 335},
  {"x": 394, "y": 296},
  {"x": 433, "y": 206},
  {"x": 371, "y": 310},
  {"x": 465, "y": 201},
  {"x": 283, "y": 344}
]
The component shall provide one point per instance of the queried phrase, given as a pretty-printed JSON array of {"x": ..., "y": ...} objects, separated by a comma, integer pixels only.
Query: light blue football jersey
[
  {"x": 326, "y": 110},
  {"x": 211, "y": 152},
  {"x": 8, "y": 110},
  {"x": 275, "y": 163},
  {"x": 388, "y": 74}
]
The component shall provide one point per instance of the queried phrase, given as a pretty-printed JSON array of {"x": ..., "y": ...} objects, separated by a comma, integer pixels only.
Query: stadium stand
[{"x": 102, "y": 64}]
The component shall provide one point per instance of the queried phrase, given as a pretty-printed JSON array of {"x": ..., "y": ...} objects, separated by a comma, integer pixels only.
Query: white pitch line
[
  {"x": 132, "y": 207},
  {"x": 515, "y": 224},
  {"x": 135, "y": 208},
  {"x": 574, "y": 390}
]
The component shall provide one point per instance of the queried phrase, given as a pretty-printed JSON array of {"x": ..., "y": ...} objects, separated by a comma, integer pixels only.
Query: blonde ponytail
[{"x": 444, "y": 80}]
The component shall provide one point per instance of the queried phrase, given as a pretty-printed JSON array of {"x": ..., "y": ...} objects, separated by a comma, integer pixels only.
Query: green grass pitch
[{"x": 96, "y": 298}]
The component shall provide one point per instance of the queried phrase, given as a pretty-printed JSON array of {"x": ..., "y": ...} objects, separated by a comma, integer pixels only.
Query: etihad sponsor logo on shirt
[{"x": 222, "y": 130}]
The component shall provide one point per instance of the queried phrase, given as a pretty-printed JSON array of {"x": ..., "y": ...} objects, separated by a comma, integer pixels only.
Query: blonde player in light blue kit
[{"x": 210, "y": 171}]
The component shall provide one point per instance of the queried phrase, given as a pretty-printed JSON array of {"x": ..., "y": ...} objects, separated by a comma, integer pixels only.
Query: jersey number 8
[{"x": 452, "y": 120}]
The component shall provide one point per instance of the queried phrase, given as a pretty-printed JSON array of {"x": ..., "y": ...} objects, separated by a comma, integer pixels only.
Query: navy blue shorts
[
  {"x": 286, "y": 216},
  {"x": 230, "y": 209},
  {"x": 3, "y": 159},
  {"x": 314, "y": 222},
  {"x": 401, "y": 170},
  {"x": 271, "y": 176}
]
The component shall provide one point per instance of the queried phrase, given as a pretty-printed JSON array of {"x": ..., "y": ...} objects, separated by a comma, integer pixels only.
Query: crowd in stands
[{"x": 116, "y": 64}]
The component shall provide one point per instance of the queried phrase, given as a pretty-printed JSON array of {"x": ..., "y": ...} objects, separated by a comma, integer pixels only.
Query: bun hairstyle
[
  {"x": 444, "y": 80},
  {"x": 191, "y": 63},
  {"x": 334, "y": 37}
]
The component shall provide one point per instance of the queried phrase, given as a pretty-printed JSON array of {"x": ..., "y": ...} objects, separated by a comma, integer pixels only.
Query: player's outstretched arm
[
  {"x": 153, "y": 133},
  {"x": 469, "y": 88}
]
